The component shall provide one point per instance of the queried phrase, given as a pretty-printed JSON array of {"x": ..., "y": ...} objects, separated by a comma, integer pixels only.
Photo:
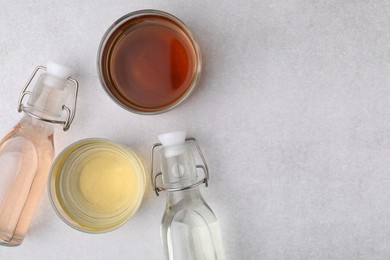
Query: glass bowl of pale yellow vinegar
[{"x": 96, "y": 185}]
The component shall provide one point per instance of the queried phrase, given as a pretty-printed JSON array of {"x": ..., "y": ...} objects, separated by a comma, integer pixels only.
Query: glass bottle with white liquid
[
  {"x": 27, "y": 151},
  {"x": 189, "y": 228}
]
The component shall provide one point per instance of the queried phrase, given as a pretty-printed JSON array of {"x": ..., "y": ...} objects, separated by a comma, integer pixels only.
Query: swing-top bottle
[
  {"x": 27, "y": 151},
  {"x": 189, "y": 228}
]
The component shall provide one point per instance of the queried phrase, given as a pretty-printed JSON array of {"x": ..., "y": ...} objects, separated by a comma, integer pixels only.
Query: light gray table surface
[{"x": 292, "y": 113}]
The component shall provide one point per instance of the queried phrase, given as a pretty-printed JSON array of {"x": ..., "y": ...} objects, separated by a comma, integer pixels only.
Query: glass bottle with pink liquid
[{"x": 27, "y": 151}]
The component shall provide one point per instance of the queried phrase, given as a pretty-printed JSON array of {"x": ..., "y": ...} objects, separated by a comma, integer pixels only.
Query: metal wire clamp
[
  {"x": 204, "y": 167},
  {"x": 70, "y": 112}
]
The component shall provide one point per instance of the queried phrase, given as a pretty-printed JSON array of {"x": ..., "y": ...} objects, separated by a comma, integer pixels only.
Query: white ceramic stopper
[
  {"x": 57, "y": 70},
  {"x": 173, "y": 143}
]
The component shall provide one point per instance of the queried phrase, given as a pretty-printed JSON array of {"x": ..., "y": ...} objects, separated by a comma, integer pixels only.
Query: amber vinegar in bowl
[{"x": 149, "y": 62}]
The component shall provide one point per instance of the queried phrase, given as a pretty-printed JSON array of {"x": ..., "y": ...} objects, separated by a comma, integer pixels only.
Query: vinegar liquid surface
[
  {"x": 106, "y": 182},
  {"x": 150, "y": 63},
  {"x": 95, "y": 185}
]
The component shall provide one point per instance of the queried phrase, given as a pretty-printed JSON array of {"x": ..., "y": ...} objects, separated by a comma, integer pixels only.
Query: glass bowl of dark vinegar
[{"x": 149, "y": 62}]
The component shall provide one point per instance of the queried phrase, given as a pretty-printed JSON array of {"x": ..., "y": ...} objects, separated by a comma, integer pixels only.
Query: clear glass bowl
[
  {"x": 96, "y": 185},
  {"x": 126, "y": 27}
]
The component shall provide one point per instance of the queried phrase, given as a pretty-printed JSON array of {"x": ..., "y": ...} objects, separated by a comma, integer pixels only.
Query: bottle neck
[
  {"x": 48, "y": 97},
  {"x": 36, "y": 127},
  {"x": 178, "y": 166},
  {"x": 186, "y": 197}
]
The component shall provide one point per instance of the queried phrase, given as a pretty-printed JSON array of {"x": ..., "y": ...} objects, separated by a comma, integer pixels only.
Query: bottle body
[
  {"x": 189, "y": 228},
  {"x": 26, "y": 154}
]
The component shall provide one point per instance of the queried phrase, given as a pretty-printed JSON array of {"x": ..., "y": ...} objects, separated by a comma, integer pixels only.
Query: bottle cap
[
  {"x": 172, "y": 138},
  {"x": 172, "y": 142},
  {"x": 57, "y": 70}
]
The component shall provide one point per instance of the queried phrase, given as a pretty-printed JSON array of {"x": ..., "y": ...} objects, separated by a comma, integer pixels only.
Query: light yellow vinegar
[
  {"x": 108, "y": 182},
  {"x": 96, "y": 185}
]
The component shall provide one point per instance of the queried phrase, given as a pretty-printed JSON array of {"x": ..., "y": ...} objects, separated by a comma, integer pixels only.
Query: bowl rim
[
  {"x": 183, "y": 26},
  {"x": 53, "y": 195}
]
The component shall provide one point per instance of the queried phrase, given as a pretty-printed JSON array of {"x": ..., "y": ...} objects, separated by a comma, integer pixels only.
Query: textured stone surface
[{"x": 293, "y": 115}]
